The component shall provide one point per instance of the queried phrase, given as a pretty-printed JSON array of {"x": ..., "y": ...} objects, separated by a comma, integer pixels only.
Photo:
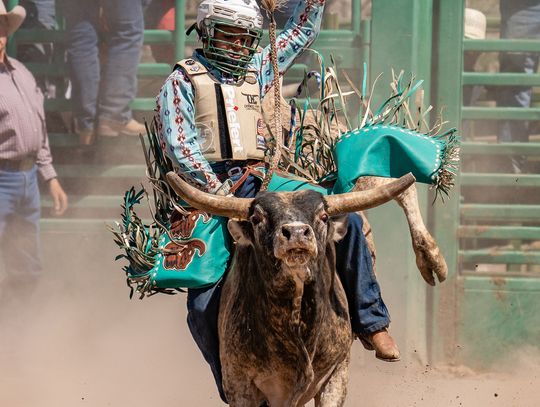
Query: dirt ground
[{"x": 80, "y": 341}]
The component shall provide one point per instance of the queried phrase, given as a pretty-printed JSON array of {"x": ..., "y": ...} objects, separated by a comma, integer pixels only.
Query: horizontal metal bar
[
  {"x": 97, "y": 171},
  {"x": 509, "y": 213},
  {"x": 145, "y": 69},
  {"x": 78, "y": 225},
  {"x": 143, "y": 104},
  {"x": 24, "y": 36},
  {"x": 157, "y": 36},
  {"x": 476, "y": 148},
  {"x": 65, "y": 105},
  {"x": 508, "y": 281},
  {"x": 72, "y": 140},
  {"x": 494, "y": 256},
  {"x": 516, "y": 180},
  {"x": 88, "y": 201},
  {"x": 154, "y": 69},
  {"x": 75, "y": 225},
  {"x": 496, "y": 45},
  {"x": 500, "y": 113},
  {"x": 500, "y": 232},
  {"x": 503, "y": 78}
]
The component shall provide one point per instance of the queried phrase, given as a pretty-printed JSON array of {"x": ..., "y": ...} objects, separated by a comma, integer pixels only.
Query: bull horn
[
  {"x": 229, "y": 207},
  {"x": 362, "y": 200}
]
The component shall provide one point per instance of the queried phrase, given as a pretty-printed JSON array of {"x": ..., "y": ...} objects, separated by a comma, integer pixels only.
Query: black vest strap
[{"x": 224, "y": 139}]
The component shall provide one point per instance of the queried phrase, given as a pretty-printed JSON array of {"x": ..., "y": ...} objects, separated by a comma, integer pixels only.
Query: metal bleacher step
[
  {"x": 68, "y": 225},
  {"x": 145, "y": 69},
  {"x": 107, "y": 171}
]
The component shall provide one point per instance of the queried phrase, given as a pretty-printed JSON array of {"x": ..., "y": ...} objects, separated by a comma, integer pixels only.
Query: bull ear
[
  {"x": 237, "y": 229},
  {"x": 340, "y": 226}
]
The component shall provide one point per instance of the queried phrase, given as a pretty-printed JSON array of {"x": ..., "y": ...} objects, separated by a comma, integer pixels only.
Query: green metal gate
[{"x": 489, "y": 227}]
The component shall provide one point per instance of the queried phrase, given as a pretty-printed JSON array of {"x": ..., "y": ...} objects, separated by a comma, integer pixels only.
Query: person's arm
[
  {"x": 178, "y": 134},
  {"x": 44, "y": 162},
  {"x": 299, "y": 33}
]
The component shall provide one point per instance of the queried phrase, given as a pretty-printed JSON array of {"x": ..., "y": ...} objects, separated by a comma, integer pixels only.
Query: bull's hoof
[{"x": 431, "y": 264}]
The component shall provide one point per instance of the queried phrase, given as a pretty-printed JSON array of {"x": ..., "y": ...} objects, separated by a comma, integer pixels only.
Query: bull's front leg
[
  {"x": 334, "y": 391},
  {"x": 429, "y": 259}
]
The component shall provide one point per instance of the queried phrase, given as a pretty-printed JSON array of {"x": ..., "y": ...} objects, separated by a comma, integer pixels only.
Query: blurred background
[{"x": 79, "y": 339}]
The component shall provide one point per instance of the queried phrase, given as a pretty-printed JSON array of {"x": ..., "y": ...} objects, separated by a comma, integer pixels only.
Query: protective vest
[{"x": 228, "y": 117}]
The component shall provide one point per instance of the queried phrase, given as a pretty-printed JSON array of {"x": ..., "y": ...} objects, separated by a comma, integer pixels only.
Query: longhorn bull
[{"x": 284, "y": 326}]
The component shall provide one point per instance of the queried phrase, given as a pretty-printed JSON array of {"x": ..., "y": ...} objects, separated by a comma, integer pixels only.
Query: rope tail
[{"x": 275, "y": 155}]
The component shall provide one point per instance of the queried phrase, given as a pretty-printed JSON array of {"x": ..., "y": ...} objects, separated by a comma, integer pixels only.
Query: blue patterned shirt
[{"x": 175, "y": 103}]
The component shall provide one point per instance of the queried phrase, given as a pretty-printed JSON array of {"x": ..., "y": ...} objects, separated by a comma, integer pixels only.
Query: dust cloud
[{"x": 80, "y": 341}]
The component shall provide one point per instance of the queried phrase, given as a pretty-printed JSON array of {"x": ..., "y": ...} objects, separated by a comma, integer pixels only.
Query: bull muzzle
[{"x": 295, "y": 244}]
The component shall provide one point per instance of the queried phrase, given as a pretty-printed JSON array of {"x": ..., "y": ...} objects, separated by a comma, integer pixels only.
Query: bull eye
[
  {"x": 324, "y": 217},
  {"x": 255, "y": 219}
]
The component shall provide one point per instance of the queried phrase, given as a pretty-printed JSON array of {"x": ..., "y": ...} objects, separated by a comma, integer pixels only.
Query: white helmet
[
  {"x": 216, "y": 16},
  {"x": 240, "y": 13}
]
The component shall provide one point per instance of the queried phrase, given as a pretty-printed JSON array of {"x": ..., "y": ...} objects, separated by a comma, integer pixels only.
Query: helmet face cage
[{"x": 233, "y": 60}]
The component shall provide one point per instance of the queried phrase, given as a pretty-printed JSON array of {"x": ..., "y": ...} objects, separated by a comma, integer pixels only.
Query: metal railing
[{"x": 501, "y": 229}]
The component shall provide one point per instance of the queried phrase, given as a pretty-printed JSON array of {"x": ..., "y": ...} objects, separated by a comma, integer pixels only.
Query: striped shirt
[{"x": 23, "y": 131}]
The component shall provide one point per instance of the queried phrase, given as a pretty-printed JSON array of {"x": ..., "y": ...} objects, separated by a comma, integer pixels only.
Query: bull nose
[{"x": 297, "y": 232}]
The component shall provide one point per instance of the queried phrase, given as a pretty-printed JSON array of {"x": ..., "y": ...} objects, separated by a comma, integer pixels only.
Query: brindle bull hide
[
  {"x": 284, "y": 327},
  {"x": 429, "y": 260}
]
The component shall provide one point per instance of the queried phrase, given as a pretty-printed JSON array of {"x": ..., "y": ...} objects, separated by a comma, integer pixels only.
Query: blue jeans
[
  {"x": 108, "y": 90},
  {"x": 19, "y": 224},
  {"x": 39, "y": 14},
  {"x": 519, "y": 19},
  {"x": 367, "y": 310}
]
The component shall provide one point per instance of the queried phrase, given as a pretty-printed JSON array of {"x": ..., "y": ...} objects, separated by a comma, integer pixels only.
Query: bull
[{"x": 284, "y": 328}]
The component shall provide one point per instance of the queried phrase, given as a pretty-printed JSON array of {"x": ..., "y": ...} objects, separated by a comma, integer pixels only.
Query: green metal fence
[{"x": 489, "y": 227}]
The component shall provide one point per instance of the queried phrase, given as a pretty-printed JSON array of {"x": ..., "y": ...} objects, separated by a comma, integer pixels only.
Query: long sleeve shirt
[
  {"x": 23, "y": 132},
  {"x": 175, "y": 103}
]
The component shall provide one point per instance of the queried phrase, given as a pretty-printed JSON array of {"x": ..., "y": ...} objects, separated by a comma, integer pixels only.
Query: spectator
[
  {"x": 41, "y": 15},
  {"x": 520, "y": 19},
  {"x": 24, "y": 152},
  {"x": 101, "y": 97},
  {"x": 475, "y": 24},
  {"x": 475, "y": 29}
]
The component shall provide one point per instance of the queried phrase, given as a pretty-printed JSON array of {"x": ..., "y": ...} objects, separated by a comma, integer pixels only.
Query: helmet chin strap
[{"x": 191, "y": 28}]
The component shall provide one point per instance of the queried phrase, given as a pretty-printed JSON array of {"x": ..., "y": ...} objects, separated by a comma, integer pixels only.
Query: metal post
[
  {"x": 403, "y": 45},
  {"x": 447, "y": 68},
  {"x": 356, "y": 16},
  {"x": 180, "y": 30},
  {"x": 12, "y": 44}
]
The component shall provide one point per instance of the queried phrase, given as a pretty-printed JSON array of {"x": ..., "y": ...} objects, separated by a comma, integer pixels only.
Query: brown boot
[
  {"x": 86, "y": 137},
  {"x": 110, "y": 128},
  {"x": 384, "y": 345}
]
